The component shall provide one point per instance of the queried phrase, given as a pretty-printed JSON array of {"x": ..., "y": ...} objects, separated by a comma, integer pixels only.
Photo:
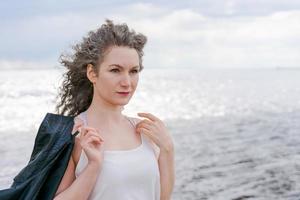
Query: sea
[{"x": 236, "y": 132}]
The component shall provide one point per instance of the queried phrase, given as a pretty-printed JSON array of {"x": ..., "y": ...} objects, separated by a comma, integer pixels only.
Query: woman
[{"x": 114, "y": 156}]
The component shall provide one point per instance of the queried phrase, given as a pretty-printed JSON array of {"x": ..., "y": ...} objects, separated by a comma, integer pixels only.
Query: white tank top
[{"x": 126, "y": 174}]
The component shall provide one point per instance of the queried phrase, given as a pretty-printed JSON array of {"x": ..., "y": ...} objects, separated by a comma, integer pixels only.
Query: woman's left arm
[
  {"x": 155, "y": 129},
  {"x": 166, "y": 170}
]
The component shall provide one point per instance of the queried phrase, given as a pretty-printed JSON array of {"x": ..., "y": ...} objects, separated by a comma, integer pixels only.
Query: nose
[{"x": 125, "y": 80}]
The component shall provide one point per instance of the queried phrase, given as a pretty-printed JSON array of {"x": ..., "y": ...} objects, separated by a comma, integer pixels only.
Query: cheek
[
  {"x": 134, "y": 84},
  {"x": 108, "y": 81},
  {"x": 105, "y": 85},
  {"x": 135, "y": 80}
]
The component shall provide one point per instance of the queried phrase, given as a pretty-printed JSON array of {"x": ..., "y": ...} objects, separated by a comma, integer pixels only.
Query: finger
[
  {"x": 149, "y": 134},
  {"x": 82, "y": 131},
  {"x": 145, "y": 121},
  {"x": 98, "y": 136},
  {"x": 91, "y": 140},
  {"x": 85, "y": 129},
  {"x": 149, "y": 116},
  {"x": 76, "y": 131},
  {"x": 92, "y": 133},
  {"x": 77, "y": 124},
  {"x": 91, "y": 129},
  {"x": 145, "y": 126},
  {"x": 84, "y": 134}
]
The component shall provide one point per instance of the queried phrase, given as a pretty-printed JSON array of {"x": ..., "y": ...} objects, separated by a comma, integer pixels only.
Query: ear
[{"x": 90, "y": 73}]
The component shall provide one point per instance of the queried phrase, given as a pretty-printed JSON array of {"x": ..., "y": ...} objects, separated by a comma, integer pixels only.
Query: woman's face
[{"x": 119, "y": 72}]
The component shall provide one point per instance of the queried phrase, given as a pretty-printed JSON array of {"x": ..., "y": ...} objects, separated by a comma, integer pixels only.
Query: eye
[
  {"x": 134, "y": 71},
  {"x": 114, "y": 70}
]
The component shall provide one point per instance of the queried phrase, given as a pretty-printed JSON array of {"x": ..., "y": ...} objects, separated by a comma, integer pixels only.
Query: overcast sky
[{"x": 181, "y": 34}]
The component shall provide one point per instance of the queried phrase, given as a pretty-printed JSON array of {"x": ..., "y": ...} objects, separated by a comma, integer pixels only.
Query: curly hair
[{"x": 76, "y": 92}]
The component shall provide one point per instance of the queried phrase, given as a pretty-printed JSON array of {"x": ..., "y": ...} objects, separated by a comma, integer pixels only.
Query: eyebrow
[{"x": 119, "y": 66}]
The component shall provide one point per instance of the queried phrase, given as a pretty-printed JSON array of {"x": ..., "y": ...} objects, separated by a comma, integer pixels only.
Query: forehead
[{"x": 124, "y": 56}]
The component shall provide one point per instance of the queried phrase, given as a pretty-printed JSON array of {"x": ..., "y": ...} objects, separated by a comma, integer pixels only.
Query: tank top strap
[
  {"x": 83, "y": 117},
  {"x": 133, "y": 122}
]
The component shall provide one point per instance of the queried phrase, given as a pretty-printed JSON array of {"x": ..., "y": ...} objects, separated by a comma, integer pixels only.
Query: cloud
[
  {"x": 185, "y": 38},
  {"x": 177, "y": 37}
]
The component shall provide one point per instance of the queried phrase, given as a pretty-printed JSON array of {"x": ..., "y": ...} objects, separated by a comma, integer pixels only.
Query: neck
[{"x": 104, "y": 114}]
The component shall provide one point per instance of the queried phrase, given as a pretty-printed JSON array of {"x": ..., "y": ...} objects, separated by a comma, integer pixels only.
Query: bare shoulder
[{"x": 153, "y": 145}]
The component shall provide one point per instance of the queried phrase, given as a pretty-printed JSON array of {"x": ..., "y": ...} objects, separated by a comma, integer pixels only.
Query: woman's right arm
[{"x": 80, "y": 188}]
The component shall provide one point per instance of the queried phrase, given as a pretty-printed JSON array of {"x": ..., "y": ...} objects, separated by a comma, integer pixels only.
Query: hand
[
  {"x": 90, "y": 141},
  {"x": 156, "y": 130},
  {"x": 92, "y": 144}
]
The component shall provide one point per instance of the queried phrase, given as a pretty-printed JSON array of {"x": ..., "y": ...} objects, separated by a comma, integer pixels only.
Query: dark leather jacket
[{"x": 40, "y": 178}]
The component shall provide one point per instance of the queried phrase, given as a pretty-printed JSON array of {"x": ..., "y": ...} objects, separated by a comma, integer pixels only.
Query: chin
[{"x": 121, "y": 103}]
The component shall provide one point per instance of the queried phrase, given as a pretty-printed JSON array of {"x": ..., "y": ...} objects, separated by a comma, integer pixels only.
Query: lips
[{"x": 123, "y": 92}]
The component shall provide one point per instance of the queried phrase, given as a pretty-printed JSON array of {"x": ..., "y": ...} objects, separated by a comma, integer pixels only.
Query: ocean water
[{"x": 236, "y": 131}]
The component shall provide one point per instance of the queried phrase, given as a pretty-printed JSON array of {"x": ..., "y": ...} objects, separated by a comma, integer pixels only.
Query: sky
[{"x": 181, "y": 34}]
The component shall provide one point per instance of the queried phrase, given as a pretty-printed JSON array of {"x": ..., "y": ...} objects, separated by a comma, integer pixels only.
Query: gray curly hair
[{"x": 76, "y": 92}]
